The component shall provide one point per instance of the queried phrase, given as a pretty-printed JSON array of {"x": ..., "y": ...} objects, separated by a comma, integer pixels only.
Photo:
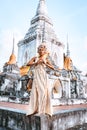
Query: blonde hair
[{"x": 44, "y": 47}]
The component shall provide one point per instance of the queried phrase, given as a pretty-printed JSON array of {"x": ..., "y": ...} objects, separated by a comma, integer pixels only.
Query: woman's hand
[
  {"x": 40, "y": 61},
  {"x": 31, "y": 62}
]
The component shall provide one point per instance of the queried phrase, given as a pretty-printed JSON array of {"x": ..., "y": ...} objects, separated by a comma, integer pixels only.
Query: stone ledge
[{"x": 15, "y": 119}]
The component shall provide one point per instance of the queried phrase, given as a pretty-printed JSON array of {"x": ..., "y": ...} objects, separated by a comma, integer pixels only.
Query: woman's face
[{"x": 41, "y": 50}]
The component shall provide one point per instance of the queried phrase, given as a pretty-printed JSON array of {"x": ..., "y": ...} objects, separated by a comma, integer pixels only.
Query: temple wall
[
  {"x": 57, "y": 55},
  {"x": 26, "y": 52},
  {"x": 17, "y": 120}
]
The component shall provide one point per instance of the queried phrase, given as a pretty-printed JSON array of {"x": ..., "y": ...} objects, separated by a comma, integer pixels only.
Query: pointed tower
[
  {"x": 11, "y": 65},
  {"x": 41, "y": 29},
  {"x": 13, "y": 45},
  {"x": 68, "y": 51},
  {"x": 12, "y": 59},
  {"x": 68, "y": 64}
]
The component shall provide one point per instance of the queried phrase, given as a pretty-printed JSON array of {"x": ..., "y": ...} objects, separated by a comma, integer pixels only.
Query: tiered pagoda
[{"x": 41, "y": 30}]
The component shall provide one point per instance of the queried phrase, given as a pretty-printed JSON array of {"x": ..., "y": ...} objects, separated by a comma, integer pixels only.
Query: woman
[{"x": 40, "y": 99}]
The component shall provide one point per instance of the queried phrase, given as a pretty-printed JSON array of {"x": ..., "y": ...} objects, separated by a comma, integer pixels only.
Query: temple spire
[
  {"x": 68, "y": 51},
  {"x": 41, "y": 9},
  {"x": 12, "y": 59},
  {"x": 13, "y": 45}
]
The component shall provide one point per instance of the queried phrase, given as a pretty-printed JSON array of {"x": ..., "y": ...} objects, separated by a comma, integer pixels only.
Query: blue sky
[{"x": 68, "y": 16}]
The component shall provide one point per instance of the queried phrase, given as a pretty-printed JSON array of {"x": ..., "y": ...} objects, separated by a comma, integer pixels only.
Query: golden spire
[
  {"x": 12, "y": 59},
  {"x": 67, "y": 59}
]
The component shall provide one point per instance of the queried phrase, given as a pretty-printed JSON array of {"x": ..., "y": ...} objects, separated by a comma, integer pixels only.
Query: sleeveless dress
[{"x": 40, "y": 99}]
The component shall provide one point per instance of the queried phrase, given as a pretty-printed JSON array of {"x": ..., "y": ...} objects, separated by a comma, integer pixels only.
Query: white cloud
[{"x": 6, "y": 44}]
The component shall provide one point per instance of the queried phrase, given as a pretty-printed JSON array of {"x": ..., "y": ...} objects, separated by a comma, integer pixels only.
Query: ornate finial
[
  {"x": 41, "y": 9},
  {"x": 68, "y": 51}
]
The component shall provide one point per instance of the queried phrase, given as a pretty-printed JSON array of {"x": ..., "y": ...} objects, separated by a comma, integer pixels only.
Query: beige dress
[{"x": 40, "y": 99}]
